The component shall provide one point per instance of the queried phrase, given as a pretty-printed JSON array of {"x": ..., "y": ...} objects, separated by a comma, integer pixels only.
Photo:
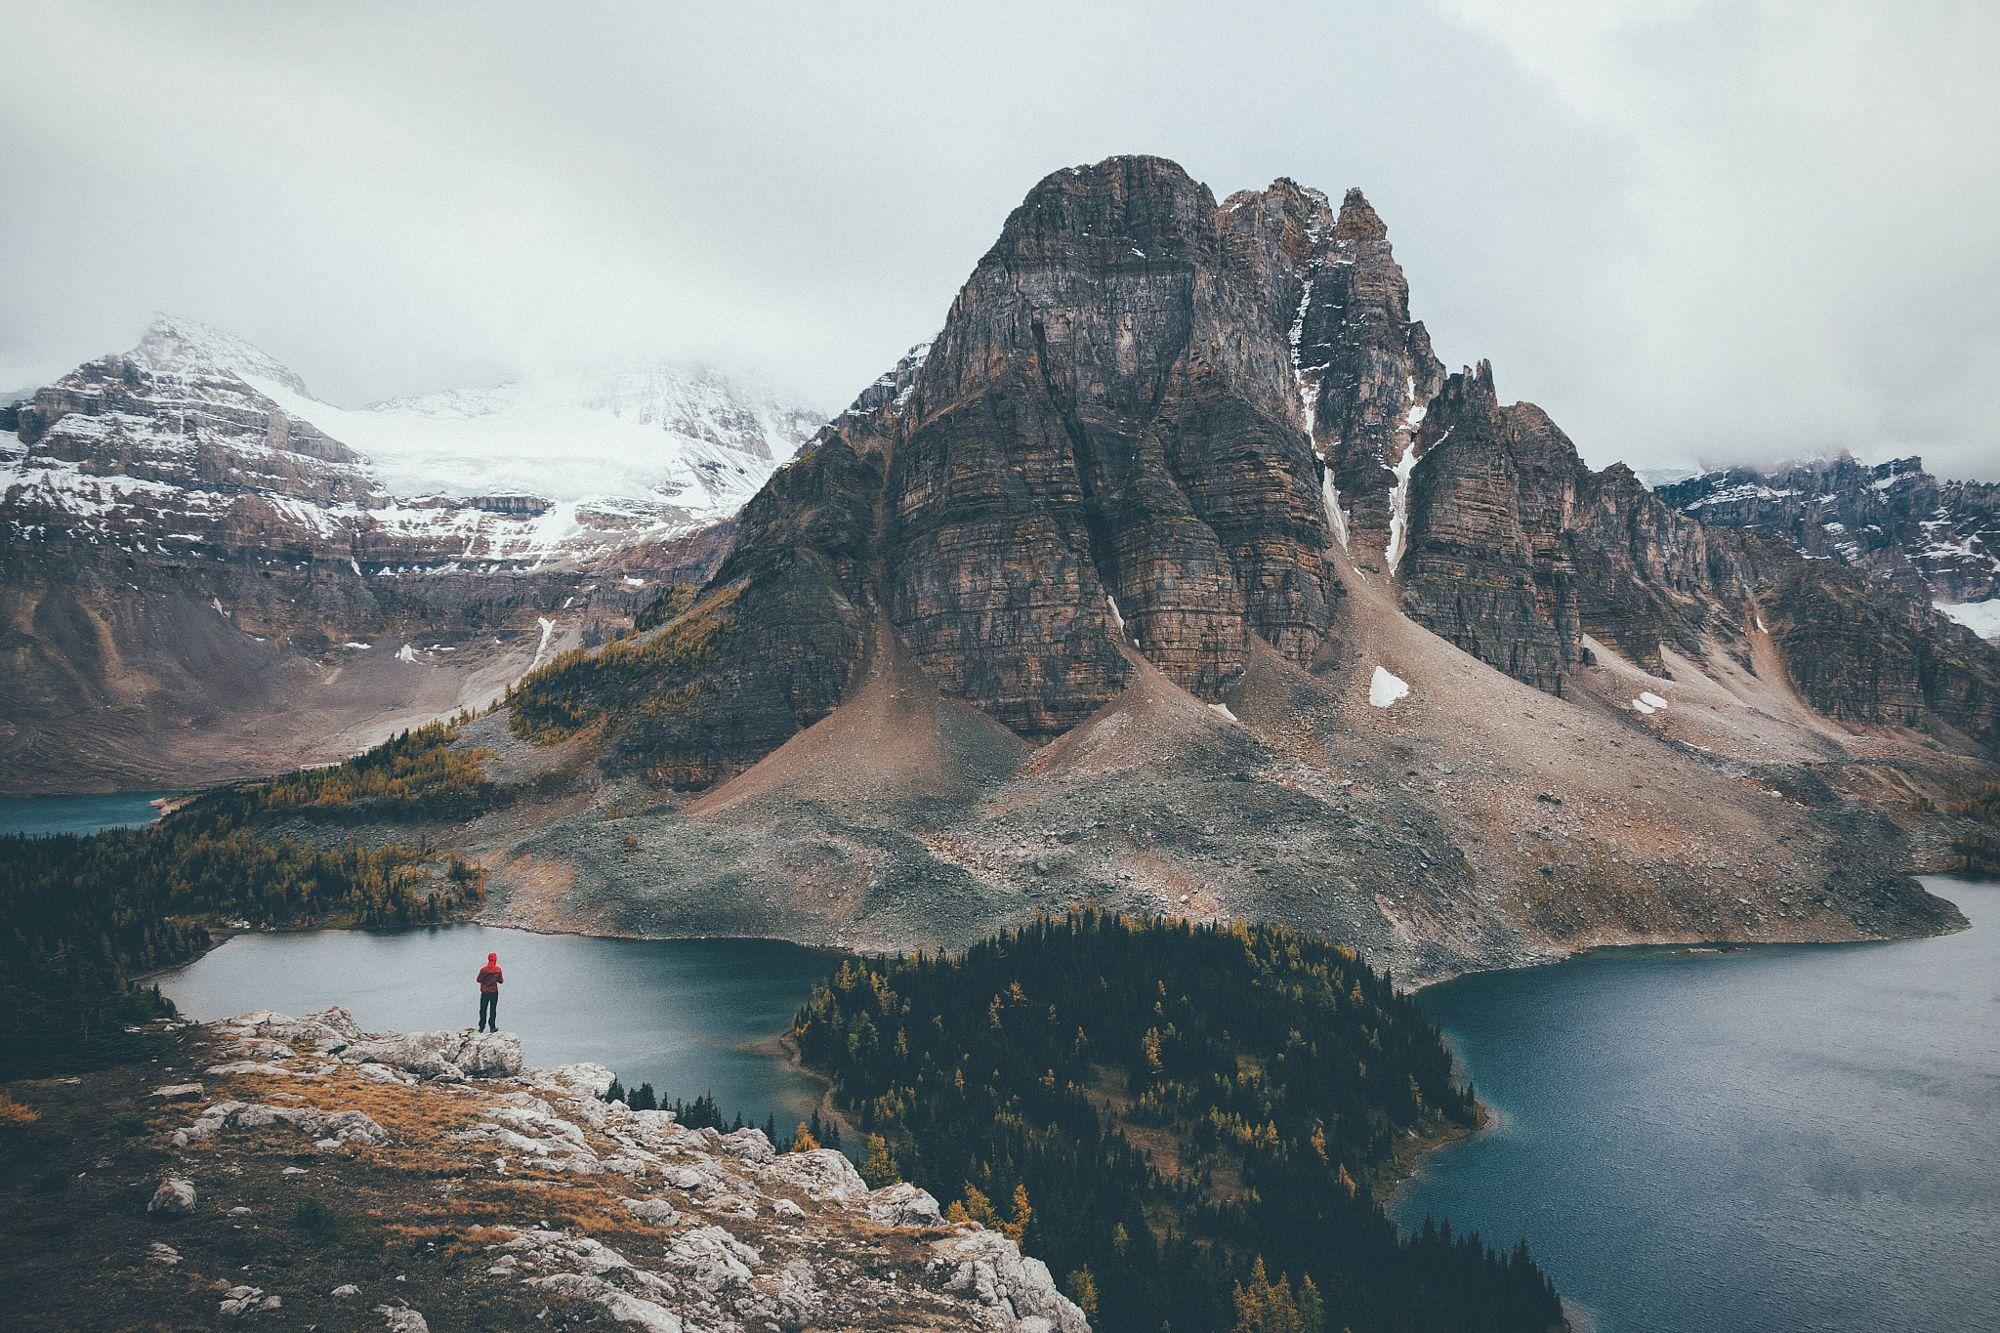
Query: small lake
[
  {"x": 39, "y": 816},
  {"x": 1788, "y": 1140},
  {"x": 687, "y": 1016}
]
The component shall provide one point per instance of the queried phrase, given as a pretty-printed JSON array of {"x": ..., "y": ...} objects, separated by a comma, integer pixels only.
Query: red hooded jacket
[{"x": 489, "y": 976}]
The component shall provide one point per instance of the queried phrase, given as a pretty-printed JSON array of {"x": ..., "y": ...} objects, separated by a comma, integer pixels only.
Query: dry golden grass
[{"x": 13, "y": 1113}]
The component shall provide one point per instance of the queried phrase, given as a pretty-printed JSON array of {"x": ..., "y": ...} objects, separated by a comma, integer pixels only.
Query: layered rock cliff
[
  {"x": 1862, "y": 656},
  {"x": 1101, "y": 452},
  {"x": 1145, "y": 424},
  {"x": 1931, "y": 538},
  {"x": 1365, "y": 369}
]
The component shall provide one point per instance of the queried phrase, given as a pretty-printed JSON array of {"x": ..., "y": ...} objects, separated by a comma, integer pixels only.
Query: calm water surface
[
  {"x": 688, "y": 1016},
  {"x": 41, "y": 815},
  {"x": 1782, "y": 1139}
]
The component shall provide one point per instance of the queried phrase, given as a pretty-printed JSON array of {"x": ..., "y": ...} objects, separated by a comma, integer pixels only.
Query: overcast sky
[{"x": 1693, "y": 231}]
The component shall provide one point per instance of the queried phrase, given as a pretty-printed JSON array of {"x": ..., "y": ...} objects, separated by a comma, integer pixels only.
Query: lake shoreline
[{"x": 1598, "y": 1102}]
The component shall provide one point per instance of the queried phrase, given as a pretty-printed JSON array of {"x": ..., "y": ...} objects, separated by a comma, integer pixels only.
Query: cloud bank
[{"x": 1691, "y": 231}]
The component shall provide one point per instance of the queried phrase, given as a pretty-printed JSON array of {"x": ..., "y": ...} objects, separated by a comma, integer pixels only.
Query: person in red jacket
[{"x": 489, "y": 994}]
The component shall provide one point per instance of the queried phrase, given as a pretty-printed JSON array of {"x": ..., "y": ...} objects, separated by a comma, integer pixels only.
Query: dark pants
[{"x": 489, "y": 1010}]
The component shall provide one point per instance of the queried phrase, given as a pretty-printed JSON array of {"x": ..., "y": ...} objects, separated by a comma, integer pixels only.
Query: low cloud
[{"x": 1691, "y": 231}]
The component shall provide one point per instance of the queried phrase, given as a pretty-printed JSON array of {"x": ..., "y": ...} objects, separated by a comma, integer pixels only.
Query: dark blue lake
[
  {"x": 688, "y": 1016},
  {"x": 41, "y": 815},
  {"x": 1786, "y": 1140}
]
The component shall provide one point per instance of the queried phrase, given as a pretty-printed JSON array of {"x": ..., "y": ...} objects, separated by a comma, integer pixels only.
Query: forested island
[{"x": 1186, "y": 1122}]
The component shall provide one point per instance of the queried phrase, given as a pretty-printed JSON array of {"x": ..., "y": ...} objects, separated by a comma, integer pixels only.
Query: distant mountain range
[
  {"x": 193, "y": 545},
  {"x": 1178, "y": 573},
  {"x": 1935, "y": 540}
]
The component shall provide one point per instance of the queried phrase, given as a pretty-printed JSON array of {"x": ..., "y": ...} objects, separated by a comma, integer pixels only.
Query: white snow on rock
[
  {"x": 1336, "y": 517},
  {"x": 1399, "y": 504},
  {"x": 1418, "y": 408},
  {"x": 688, "y": 433},
  {"x": 1651, "y": 699},
  {"x": 542, "y": 648},
  {"x": 544, "y": 468},
  {"x": 1982, "y": 618},
  {"x": 1385, "y": 687},
  {"x": 1640, "y": 705}
]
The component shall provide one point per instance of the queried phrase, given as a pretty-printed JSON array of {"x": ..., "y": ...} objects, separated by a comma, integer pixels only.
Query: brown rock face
[
  {"x": 1648, "y": 575},
  {"x": 1860, "y": 656},
  {"x": 1365, "y": 369},
  {"x": 1490, "y": 508},
  {"x": 769, "y": 647},
  {"x": 1109, "y": 411},
  {"x": 1143, "y": 424}
]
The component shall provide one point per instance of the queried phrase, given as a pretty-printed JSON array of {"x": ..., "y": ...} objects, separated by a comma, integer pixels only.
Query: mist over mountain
[{"x": 195, "y": 547}]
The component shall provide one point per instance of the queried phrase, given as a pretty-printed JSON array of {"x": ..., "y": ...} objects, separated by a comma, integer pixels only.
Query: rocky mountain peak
[
  {"x": 190, "y": 349},
  {"x": 1136, "y": 201},
  {"x": 1358, "y": 219},
  {"x": 1935, "y": 540}
]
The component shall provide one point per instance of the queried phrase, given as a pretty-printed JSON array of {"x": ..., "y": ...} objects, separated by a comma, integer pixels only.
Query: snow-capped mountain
[
  {"x": 686, "y": 437},
  {"x": 537, "y": 469},
  {"x": 188, "y": 534},
  {"x": 1936, "y": 540}
]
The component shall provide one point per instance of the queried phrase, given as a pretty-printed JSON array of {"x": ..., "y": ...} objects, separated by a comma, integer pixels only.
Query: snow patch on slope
[
  {"x": 1385, "y": 687},
  {"x": 1982, "y": 618}
]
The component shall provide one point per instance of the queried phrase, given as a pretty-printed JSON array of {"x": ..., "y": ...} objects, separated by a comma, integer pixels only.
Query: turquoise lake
[
  {"x": 687, "y": 1016},
  {"x": 42, "y": 815},
  {"x": 1788, "y": 1139}
]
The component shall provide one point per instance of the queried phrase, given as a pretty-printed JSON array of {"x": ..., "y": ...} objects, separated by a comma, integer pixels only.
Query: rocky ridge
[
  {"x": 1147, "y": 424},
  {"x": 429, "y": 1179}
]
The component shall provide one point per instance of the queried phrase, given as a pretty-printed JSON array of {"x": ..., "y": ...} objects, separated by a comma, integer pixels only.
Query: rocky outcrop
[
  {"x": 1860, "y": 656},
  {"x": 1100, "y": 452},
  {"x": 174, "y": 1198},
  {"x": 559, "y": 1205},
  {"x": 1488, "y": 527},
  {"x": 1648, "y": 576},
  {"x": 1514, "y": 550},
  {"x": 1108, "y": 414},
  {"x": 1365, "y": 369}
]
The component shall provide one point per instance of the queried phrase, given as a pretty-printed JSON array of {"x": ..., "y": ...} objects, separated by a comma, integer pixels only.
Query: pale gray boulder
[{"x": 174, "y": 1198}]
